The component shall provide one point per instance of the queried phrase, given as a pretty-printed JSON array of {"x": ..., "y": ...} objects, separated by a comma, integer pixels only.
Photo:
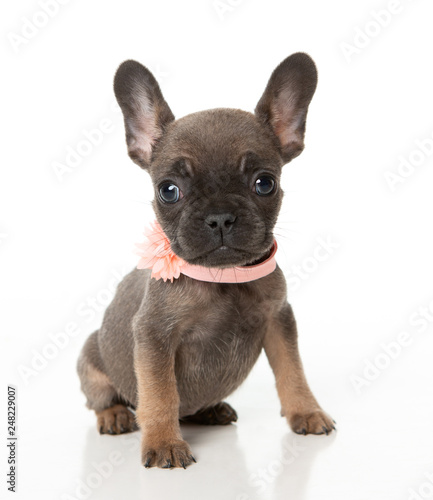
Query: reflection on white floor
[{"x": 382, "y": 449}]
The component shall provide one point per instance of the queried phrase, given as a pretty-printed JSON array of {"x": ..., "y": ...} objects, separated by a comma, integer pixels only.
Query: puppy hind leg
[
  {"x": 220, "y": 414},
  {"x": 113, "y": 417},
  {"x": 117, "y": 419}
]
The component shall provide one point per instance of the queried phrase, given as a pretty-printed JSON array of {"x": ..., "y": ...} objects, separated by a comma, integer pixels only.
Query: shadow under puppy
[{"x": 173, "y": 350}]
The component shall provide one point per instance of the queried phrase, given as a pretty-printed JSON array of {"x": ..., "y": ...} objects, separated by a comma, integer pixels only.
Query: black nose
[{"x": 223, "y": 222}]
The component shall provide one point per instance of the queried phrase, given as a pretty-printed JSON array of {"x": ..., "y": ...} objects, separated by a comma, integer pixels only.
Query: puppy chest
[{"x": 230, "y": 340}]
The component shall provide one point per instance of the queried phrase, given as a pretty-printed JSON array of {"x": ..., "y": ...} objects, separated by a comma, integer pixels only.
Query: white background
[{"x": 65, "y": 239}]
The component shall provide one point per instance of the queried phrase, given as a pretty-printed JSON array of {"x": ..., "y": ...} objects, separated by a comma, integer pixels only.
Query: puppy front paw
[
  {"x": 167, "y": 455},
  {"x": 313, "y": 422}
]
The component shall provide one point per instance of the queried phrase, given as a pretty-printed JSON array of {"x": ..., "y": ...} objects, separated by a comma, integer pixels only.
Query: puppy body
[
  {"x": 216, "y": 331},
  {"x": 176, "y": 350}
]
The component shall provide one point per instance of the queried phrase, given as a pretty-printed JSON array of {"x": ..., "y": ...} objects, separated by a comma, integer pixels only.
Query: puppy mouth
[{"x": 226, "y": 256}]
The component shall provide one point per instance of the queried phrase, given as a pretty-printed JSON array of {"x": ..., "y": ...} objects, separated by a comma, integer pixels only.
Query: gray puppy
[{"x": 173, "y": 351}]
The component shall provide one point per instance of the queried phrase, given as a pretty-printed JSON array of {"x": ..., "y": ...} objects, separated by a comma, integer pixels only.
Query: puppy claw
[
  {"x": 167, "y": 455},
  {"x": 313, "y": 422}
]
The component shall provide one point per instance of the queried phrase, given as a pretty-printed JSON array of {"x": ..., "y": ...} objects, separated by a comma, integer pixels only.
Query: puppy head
[{"x": 216, "y": 173}]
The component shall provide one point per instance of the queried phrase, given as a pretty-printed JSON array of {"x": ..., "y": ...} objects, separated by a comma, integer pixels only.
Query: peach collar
[{"x": 156, "y": 254}]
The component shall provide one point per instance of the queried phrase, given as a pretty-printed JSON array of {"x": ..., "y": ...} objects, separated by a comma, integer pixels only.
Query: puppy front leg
[
  {"x": 298, "y": 404},
  {"x": 158, "y": 408}
]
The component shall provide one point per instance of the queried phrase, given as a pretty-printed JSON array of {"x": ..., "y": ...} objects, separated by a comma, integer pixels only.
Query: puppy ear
[
  {"x": 284, "y": 104},
  {"x": 144, "y": 109}
]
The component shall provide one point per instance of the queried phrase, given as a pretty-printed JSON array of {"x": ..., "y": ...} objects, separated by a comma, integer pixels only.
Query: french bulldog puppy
[{"x": 173, "y": 350}]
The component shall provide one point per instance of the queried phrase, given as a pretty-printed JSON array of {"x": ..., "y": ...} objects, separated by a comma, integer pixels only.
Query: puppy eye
[
  {"x": 169, "y": 192},
  {"x": 264, "y": 185}
]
